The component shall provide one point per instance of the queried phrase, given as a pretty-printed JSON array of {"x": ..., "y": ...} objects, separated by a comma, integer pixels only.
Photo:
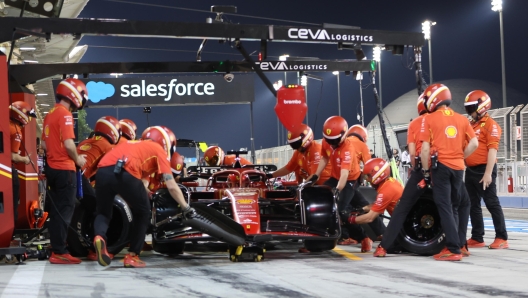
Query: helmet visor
[
  {"x": 470, "y": 108},
  {"x": 333, "y": 142},
  {"x": 213, "y": 161},
  {"x": 296, "y": 144}
]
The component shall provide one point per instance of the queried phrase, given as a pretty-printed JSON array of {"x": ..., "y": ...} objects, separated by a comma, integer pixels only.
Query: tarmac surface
[{"x": 205, "y": 271}]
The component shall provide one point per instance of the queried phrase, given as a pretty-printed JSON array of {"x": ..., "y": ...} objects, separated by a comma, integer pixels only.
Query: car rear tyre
[
  {"x": 422, "y": 231},
  {"x": 82, "y": 222}
]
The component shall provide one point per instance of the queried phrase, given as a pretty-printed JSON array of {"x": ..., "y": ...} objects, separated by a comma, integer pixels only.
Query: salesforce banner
[{"x": 168, "y": 90}]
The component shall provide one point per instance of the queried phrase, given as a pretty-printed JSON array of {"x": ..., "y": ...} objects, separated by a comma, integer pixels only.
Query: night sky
[{"x": 465, "y": 44}]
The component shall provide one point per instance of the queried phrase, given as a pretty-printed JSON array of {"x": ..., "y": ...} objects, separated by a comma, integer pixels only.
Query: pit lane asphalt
[{"x": 205, "y": 271}]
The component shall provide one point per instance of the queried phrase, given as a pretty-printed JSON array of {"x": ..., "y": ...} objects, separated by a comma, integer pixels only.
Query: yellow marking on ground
[{"x": 347, "y": 254}]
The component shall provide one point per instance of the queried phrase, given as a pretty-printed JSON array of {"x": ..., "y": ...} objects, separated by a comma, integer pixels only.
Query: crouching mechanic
[
  {"x": 107, "y": 132},
  {"x": 122, "y": 171},
  {"x": 340, "y": 151},
  {"x": 215, "y": 156},
  {"x": 389, "y": 191},
  {"x": 305, "y": 158},
  {"x": 20, "y": 113}
]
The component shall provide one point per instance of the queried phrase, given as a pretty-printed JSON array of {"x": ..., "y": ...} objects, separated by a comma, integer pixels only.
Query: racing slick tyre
[
  {"x": 82, "y": 222},
  {"x": 168, "y": 248},
  {"x": 422, "y": 231},
  {"x": 319, "y": 212},
  {"x": 320, "y": 245}
]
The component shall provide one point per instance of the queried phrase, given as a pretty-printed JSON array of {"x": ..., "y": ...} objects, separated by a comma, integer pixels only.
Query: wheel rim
[{"x": 422, "y": 225}]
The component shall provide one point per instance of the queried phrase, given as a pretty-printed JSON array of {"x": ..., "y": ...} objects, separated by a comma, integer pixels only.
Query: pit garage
[{"x": 246, "y": 235}]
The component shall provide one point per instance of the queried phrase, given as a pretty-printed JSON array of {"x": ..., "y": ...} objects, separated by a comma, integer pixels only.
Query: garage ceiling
[{"x": 60, "y": 49}]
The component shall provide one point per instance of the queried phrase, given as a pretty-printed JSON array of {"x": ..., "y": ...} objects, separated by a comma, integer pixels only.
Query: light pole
[
  {"x": 376, "y": 56},
  {"x": 336, "y": 73},
  {"x": 304, "y": 83},
  {"x": 426, "y": 30},
  {"x": 496, "y": 5},
  {"x": 277, "y": 86}
]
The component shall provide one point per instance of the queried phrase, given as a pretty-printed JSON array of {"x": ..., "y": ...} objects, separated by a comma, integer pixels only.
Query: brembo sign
[
  {"x": 322, "y": 34},
  {"x": 169, "y": 90}
]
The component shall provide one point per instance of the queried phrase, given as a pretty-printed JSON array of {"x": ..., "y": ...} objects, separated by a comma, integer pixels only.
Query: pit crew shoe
[
  {"x": 103, "y": 257},
  {"x": 133, "y": 262},
  {"x": 446, "y": 255},
  {"x": 63, "y": 259},
  {"x": 472, "y": 243},
  {"x": 304, "y": 250},
  {"x": 347, "y": 241},
  {"x": 380, "y": 252},
  {"x": 92, "y": 256},
  {"x": 465, "y": 252},
  {"x": 366, "y": 245},
  {"x": 499, "y": 244}
]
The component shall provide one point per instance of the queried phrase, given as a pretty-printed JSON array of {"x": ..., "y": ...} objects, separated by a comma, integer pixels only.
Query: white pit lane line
[{"x": 26, "y": 280}]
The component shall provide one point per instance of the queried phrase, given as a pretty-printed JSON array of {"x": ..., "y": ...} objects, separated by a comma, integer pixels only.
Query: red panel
[
  {"x": 27, "y": 173},
  {"x": 6, "y": 217},
  {"x": 246, "y": 209},
  {"x": 291, "y": 106}
]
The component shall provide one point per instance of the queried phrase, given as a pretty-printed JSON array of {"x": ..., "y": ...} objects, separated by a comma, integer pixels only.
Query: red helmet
[
  {"x": 128, "y": 129},
  {"x": 301, "y": 138},
  {"x": 163, "y": 136},
  {"x": 376, "y": 170},
  {"x": 477, "y": 101},
  {"x": 334, "y": 130},
  {"x": 176, "y": 163},
  {"x": 232, "y": 180},
  {"x": 214, "y": 156},
  {"x": 358, "y": 131},
  {"x": 245, "y": 181},
  {"x": 436, "y": 95},
  {"x": 21, "y": 112},
  {"x": 420, "y": 105},
  {"x": 109, "y": 128},
  {"x": 73, "y": 90}
]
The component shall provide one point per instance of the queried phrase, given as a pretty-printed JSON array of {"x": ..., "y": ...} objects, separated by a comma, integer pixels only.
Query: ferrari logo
[
  {"x": 178, "y": 167},
  {"x": 300, "y": 163},
  {"x": 206, "y": 158},
  {"x": 328, "y": 131},
  {"x": 376, "y": 168},
  {"x": 451, "y": 132},
  {"x": 448, "y": 113},
  {"x": 289, "y": 135},
  {"x": 46, "y": 130},
  {"x": 328, "y": 152},
  {"x": 482, "y": 124},
  {"x": 24, "y": 111},
  {"x": 79, "y": 88},
  {"x": 248, "y": 227}
]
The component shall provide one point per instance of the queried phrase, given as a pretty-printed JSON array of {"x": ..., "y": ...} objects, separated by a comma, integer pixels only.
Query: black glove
[
  {"x": 189, "y": 212},
  {"x": 427, "y": 180},
  {"x": 188, "y": 179},
  {"x": 314, "y": 178},
  {"x": 269, "y": 175}
]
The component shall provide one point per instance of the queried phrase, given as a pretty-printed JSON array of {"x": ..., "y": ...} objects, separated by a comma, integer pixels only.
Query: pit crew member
[
  {"x": 481, "y": 172},
  {"x": 389, "y": 191},
  {"x": 448, "y": 131},
  {"x": 20, "y": 114},
  {"x": 305, "y": 158},
  {"x": 128, "y": 130},
  {"x": 61, "y": 159},
  {"x": 122, "y": 171},
  {"x": 107, "y": 132},
  {"x": 214, "y": 156},
  {"x": 411, "y": 193},
  {"x": 341, "y": 153}
]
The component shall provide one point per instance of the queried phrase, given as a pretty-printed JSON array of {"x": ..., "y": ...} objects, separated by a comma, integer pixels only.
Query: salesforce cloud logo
[{"x": 98, "y": 91}]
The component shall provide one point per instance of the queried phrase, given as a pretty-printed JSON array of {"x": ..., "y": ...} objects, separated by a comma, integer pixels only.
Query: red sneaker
[
  {"x": 380, "y": 252},
  {"x": 103, "y": 257},
  {"x": 133, "y": 262},
  {"x": 446, "y": 255},
  {"x": 465, "y": 252},
  {"x": 92, "y": 256},
  {"x": 366, "y": 245},
  {"x": 499, "y": 244},
  {"x": 472, "y": 243},
  {"x": 63, "y": 259},
  {"x": 303, "y": 250},
  {"x": 347, "y": 241}
]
